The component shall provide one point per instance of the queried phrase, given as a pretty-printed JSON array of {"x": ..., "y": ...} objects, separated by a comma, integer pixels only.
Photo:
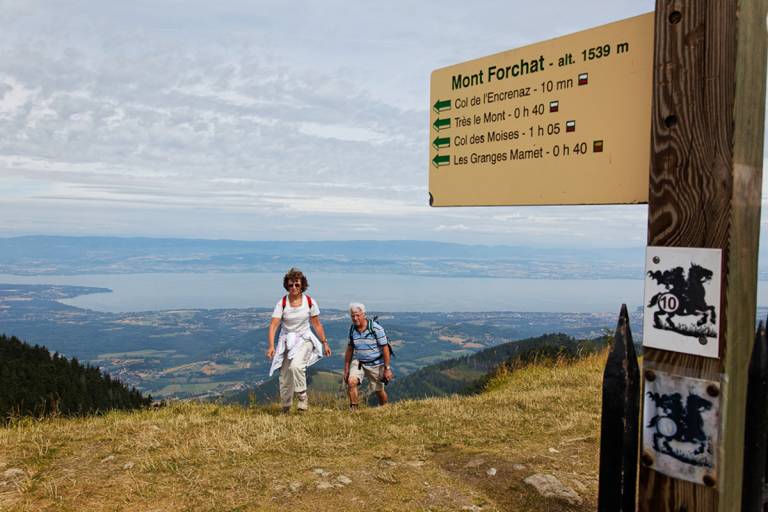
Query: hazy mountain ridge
[{"x": 48, "y": 255}]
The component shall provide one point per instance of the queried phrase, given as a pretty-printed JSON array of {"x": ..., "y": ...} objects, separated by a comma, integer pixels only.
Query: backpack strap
[
  {"x": 369, "y": 328},
  {"x": 309, "y": 301},
  {"x": 373, "y": 332}
]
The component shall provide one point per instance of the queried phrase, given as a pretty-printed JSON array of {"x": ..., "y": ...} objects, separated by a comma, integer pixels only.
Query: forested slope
[{"x": 34, "y": 382}]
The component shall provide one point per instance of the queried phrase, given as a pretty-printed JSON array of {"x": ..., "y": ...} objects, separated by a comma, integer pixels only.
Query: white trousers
[{"x": 293, "y": 374}]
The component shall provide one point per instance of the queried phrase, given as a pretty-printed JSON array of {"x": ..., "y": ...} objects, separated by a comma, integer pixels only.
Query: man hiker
[{"x": 368, "y": 355}]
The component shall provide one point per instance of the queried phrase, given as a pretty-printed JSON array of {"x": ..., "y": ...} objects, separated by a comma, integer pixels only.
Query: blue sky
[{"x": 259, "y": 120}]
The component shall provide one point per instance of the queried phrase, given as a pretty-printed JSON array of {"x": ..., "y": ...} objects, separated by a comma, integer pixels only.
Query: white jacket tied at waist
[{"x": 291, "y": 341}]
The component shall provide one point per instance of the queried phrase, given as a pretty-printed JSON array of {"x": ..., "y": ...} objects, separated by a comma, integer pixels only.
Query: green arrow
[
  {"x": 441, "y": 160},
  {"x": 439, "y": 124},
  {"x": 441, "y": 142},
  {"x": 441, "y": 105}
]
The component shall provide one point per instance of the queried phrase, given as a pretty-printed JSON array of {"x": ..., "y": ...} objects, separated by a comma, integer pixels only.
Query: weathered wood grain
[{"x": 705, "y": 182}]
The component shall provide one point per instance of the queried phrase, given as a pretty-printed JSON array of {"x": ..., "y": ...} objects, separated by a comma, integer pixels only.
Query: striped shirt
[{"x": 369, "y": 348}]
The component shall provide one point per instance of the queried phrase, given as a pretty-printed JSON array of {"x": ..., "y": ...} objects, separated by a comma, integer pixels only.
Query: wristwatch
[{"x": 387, "y": 367}]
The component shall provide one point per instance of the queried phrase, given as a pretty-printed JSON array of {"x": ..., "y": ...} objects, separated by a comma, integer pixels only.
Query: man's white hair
[{"x": 356, "y": 306}]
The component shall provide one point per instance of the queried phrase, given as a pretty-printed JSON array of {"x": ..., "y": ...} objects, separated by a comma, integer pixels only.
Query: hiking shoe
[
  {"x": 353, "y": 407},
  {"x": 286, "y": 409},
  {"x": 303, "y": 402}
]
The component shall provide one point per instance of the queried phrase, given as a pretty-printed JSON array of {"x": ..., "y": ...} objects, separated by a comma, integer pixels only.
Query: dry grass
[{"x": 416, "y": 455}]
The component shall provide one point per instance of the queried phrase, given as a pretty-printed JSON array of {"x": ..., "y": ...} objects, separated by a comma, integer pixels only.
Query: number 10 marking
[{"x": 669, "y": 303}]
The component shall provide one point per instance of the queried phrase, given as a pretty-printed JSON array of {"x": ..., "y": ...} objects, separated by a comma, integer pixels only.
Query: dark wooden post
[
  {"x": 618, "y": 429},
  {"x": 706, "y": 170},
  {"x": 756, "y": 431}
]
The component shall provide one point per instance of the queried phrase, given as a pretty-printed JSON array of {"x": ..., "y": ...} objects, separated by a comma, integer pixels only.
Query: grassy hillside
[
  {"x": 433, "y": 454},
  {"x": 464, "y": 374}
]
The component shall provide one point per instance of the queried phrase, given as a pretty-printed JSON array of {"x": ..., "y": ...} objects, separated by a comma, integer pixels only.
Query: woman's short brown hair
[{"x": 293, "y": 275}]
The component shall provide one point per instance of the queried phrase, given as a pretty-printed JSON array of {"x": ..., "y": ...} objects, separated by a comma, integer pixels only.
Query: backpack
[
  {"x": 309, "y": 301},
  {"x": 371, "y": 330}
]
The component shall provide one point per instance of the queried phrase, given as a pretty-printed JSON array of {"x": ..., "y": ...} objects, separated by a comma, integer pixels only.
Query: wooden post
[
  {"x": 706, "y": 171},
  {"x": 756, "y": 431},
  {"x": 618, "y": 429}
]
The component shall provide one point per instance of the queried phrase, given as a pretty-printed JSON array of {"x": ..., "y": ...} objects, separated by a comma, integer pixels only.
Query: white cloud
[
  {"x": 366, "y": 229},
  {"x": 346, "y": 205},
  {"x": 341, "y": 132},
  {"x": 13, "y": 95},
  {"x": 452, "y": 227},
  {"x": 258, "y": 119}
]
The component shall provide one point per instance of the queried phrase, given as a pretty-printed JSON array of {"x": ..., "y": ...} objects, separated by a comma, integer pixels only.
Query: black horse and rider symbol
[
  {"x": 683, "y": 296},
  {"x": 682, "y": 425}
]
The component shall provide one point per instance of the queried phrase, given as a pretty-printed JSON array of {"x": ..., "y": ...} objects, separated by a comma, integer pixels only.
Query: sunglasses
[{"x": 294, "y": 285}]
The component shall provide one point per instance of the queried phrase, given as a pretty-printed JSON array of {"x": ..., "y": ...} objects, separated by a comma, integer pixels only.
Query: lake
[{"x": 380, "y": 292}]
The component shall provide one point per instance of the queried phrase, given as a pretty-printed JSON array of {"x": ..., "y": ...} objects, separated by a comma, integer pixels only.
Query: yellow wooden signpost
[{"x": 564, "y": 121}]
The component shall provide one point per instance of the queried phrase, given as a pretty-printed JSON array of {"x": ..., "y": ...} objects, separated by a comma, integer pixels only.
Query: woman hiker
[{"x": 297, "y": 346}]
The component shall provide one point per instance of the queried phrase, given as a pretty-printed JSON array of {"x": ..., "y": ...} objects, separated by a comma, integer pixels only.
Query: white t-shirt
[{"x": 295, "y": 319}]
